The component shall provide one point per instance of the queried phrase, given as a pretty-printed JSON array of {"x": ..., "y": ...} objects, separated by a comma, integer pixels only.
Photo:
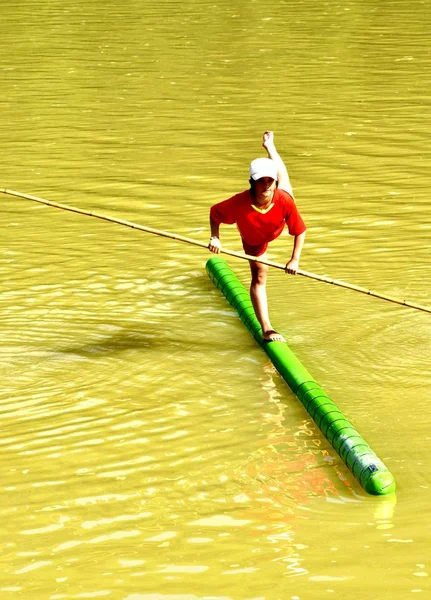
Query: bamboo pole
[{"x": 180, "y": 238}]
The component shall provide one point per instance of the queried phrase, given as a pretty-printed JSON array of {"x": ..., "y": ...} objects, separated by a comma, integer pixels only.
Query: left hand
[{"x": 292, "y": 266}]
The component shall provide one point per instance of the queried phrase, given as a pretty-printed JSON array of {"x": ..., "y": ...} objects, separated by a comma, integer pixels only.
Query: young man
[{"x": 261, "y": 214}]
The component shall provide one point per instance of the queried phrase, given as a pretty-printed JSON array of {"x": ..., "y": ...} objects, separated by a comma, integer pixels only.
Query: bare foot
[
  {"x": 268, "y": 140},
  {"x": 272, "y": 336}
]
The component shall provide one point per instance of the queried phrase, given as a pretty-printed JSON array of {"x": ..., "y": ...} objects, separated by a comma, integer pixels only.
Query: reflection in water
[
  {"x": 384, "y": 511},
  {"x": 293, "y": 463}
]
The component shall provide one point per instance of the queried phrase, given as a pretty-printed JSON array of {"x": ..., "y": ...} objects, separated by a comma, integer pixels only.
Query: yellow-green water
[{"x": 148, "y": 449}]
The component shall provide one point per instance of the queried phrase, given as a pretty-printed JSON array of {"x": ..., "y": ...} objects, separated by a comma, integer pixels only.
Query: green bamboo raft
[{"x": 368, "y": 469}]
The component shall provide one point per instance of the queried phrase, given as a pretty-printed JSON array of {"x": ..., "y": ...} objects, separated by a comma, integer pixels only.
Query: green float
[{"x": 368, "y": 469}]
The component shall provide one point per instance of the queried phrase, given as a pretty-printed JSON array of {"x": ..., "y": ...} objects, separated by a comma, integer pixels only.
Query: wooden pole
[{"x": 180, "y": 238}]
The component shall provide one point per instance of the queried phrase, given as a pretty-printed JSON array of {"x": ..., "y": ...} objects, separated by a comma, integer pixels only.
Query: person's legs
[{"x": 260, "y": 302}]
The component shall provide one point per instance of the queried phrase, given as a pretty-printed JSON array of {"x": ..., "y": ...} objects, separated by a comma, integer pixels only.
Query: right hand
[{"x": 214, "y": 245}]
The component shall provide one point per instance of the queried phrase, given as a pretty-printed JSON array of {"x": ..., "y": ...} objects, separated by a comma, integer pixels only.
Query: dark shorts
[{"x": 254, "y": 250}]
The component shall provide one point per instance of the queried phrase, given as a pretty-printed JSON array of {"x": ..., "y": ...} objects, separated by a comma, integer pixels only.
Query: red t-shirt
[{"x": 255, "y": 227}]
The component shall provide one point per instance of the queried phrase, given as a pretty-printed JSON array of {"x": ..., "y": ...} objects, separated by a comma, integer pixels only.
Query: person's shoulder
[
  {"x": 245, "y": 195},
  {"x": 241, "y": 197},
  {"x": 284, "y": 196}
]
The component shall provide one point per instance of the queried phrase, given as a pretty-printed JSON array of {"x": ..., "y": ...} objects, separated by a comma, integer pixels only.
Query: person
[{"x": 260, "y": 214}]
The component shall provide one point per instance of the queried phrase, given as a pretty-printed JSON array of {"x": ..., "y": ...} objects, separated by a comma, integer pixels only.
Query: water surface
[{"x": 149, "y": 450}]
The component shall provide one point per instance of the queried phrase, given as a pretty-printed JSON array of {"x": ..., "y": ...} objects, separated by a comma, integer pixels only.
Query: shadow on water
[{"x": 149, "y": 337}]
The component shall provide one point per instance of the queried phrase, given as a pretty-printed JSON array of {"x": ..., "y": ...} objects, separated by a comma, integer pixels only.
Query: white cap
[{"x": 263, "y": 167}]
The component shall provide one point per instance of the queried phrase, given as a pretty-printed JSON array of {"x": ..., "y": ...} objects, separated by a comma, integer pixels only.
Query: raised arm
[{"x": 283, "y": 175}]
